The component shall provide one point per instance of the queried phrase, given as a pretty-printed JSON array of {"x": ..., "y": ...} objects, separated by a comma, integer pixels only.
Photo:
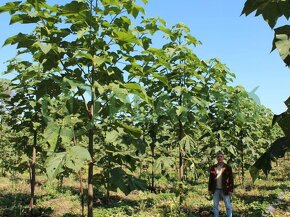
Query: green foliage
[
  {"x": 272, "y": 11},
  {"x": 283, "y": 119},
  {"x": 89, "y": 76},
  {"x": 74, "y": 158},
  {"x": 281, "y": 42},
  {"x": 125, "y": 182},
  {"x": 276, "y": 150}
]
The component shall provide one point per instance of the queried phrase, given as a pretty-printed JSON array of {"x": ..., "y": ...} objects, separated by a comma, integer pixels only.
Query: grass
[{"x": 53, "y": 201}]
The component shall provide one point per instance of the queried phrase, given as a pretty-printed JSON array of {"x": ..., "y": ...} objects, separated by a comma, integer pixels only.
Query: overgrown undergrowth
[{"x": 52, "y": 200}]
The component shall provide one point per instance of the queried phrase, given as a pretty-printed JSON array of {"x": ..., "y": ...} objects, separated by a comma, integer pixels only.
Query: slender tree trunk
[
  {"x": 32, "y": 177},
  {"x": 91, "y": 112},
  {"x": 152, "y": 133},
  {"x": 91, "y": 147},
  {"x": 152, "y": 172},
  {"x": 242, "y": 156},
  {"x": 243, "y": 169},
  {"x": 140, "y": 169},
  {"x": 181, "y": 166},
  {"x": 82, "y": 193},
  {"x": 108, "y": 182},
  {"x": 181, "y": 162},
  {"x": 91, "y": 151},
  {"x": 108, "y": 194},
  {"x": 90, "y": 175},
  {"x": 181, "y": 149}
]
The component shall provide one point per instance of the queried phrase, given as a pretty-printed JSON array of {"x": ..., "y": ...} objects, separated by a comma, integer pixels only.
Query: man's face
[{"x": 220, "y": 158}]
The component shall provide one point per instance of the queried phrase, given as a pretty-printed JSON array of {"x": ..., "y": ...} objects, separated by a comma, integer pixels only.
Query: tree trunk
[
  {"x": 91, "y": 131},
  {"x": 242, "y": 158},
  {"x": 32, "y": 171},
  {"x": 82, "y": 193},
  {"x": 243, "y": 167},
  {"x": 90, "y": 175},
  {"x": 181, "y": 162},
  {"x": 91, "y": 151},
  {"x": 108, "y": 182},
  {"x": 152, "y": 132},
  {"x": 152, "y": 172}
]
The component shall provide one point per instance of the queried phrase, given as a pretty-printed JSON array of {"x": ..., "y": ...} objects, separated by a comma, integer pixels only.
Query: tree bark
[
  {"x": 181, "y": 162},
  {"x": 32, "y": 171},
  {"x": 90, "y": 175},
  {"x": 152, "y": 172},
  {"x": 82, "y": 193}
]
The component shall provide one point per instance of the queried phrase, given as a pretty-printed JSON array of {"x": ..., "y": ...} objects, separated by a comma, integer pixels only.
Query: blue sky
[{"x": 242, "y": 43}]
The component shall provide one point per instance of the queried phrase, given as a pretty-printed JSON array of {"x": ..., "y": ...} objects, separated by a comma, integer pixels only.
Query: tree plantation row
[{"x": 92, "y": 95}]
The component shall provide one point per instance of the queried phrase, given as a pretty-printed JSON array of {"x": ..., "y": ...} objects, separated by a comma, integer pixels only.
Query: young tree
[{"x": 84, "y": 44}]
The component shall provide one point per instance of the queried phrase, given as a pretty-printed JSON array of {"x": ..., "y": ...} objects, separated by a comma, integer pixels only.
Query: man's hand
[
  {"x": 210, "y": 192},
  {"x": 231, "y": 194}
]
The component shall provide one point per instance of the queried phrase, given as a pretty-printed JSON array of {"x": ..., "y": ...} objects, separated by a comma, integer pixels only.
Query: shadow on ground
[{"x": 16, "y": 205}]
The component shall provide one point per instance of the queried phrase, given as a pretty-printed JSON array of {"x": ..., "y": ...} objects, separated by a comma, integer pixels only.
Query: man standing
[{"x": 221, "y": 184}]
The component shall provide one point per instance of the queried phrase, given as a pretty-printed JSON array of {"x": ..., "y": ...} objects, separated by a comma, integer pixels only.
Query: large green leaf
[
  {"x": 49, "y": 87},
  {"x": 44, "y": 47},
  {"x": 165, "y": 163},
  {"x": 138, "y": 90},
  {"x": 73, "y": 8},
  {"x": 180, "y": 110},
  {"x": 22, "y": 40},
  {"x": 252, "y": 5},
  {"x": 161, "y": 78},
  {"x": 66, "y": 134},
  {"x": 284, "y": 119},
  {"x": 187, "y": 142},
  {"x": 127, "y": 37},
  {"x": 11, "y": 7},
  {"x": 23, "y": 18},
  {"x": 125, "y": 182},
  {"x": 118, "y": 180},
  {"x": 54, "y": 164},
  {"x": 131, "y": 129},
  {"x": 77, "y": 84},
  {"x": 112, "y": 136},
  {"x": 282, "y": 43},
  {"x": 76, "y": 157},
  {"x": 284, "y": 122},
  {"x": 276, "y": 150},
  {"x": 271, "y": 10},
  {"x": 51, "y": 134}
]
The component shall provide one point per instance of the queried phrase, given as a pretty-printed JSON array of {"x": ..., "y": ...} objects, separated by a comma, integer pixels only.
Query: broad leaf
[
  {"x": 54, "y": 164},
  {"x": 276, "y": 150},
  {"x": 284, "y": 119},
  {"x": 282, "y": 43},
  {"x": 76, "y": 157},
  {"x": 10, "y": 7},
  {"x": 51, "y": 134}
]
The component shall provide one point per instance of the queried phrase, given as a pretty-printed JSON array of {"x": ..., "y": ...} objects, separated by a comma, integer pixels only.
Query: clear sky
[{"x": 242, "y": 43}]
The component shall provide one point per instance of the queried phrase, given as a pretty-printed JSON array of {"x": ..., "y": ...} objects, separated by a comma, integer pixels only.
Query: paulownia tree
[
  {"x": 182, "y": 94},
  {"x": 85, "y": 45}
]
